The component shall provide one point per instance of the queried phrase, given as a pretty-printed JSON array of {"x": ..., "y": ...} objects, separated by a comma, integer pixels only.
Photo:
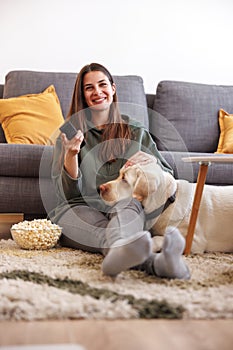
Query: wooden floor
[{"x": 123, "y": 335}]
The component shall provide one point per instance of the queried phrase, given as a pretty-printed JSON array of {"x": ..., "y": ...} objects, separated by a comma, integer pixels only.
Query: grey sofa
[{"x": 182, "y": 118}]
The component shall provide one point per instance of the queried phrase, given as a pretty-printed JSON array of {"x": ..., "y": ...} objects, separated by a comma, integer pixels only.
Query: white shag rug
[{"x": 63, "y": 283}]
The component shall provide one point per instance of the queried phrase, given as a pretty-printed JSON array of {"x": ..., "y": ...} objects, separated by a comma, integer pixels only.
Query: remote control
[{"x": 68, "y": 129}]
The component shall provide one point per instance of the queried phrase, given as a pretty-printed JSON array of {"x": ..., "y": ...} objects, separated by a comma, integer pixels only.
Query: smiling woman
[
  {"x": 98, "y": 93},
  {"x": 111, "y": 139},
  {"x": 95, "y": 99}
]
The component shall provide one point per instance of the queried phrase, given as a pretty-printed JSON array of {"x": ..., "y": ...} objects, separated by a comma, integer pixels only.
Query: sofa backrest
[
  {"x": 130, "y": 90},
  {"x": 1, "y": 90},
  {"x": 185, "y": 115}
]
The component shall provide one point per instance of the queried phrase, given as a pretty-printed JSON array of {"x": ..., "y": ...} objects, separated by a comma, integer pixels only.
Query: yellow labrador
[{"x": 156, "y": 190}]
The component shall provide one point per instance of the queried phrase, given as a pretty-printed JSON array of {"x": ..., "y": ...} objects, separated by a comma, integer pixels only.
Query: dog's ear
[{"x": 141, "y": 186}]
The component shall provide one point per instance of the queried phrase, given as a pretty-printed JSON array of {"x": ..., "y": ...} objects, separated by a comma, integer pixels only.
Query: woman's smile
[
  {"x": 98, "y": 91},
  {"x": 99, "y": 100}
]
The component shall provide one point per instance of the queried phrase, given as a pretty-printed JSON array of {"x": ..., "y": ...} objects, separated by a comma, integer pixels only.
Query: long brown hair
[{"x": 116, "y": 129}]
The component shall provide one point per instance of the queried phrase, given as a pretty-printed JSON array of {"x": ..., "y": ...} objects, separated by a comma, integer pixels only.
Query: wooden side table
[
  {"x": 6, "y": 221},
  {"x": 204, "y": 162}
]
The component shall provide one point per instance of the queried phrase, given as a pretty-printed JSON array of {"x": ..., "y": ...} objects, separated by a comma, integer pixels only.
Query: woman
[{"x": 104, "y": 142}]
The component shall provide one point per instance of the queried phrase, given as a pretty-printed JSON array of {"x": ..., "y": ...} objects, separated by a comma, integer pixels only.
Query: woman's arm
[
  {"x": 71, "y": 149},
  {"x": 66, "y": 185},
  {"x": 148, "y": 152},
  {"x": 140, "y": 158}
]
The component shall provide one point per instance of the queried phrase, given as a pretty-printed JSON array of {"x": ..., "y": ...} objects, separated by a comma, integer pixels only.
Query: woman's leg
[
  {"x": 170, "y": 262},
  {"x": 84, "y": 228},
  {"x": 119, "y": 234},
  {"x": 129, "y": 244},
  {"x": 88, "y": 229}
]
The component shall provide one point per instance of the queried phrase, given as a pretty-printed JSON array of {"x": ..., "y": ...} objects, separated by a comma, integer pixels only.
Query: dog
[{"x": 170, "y": 201}]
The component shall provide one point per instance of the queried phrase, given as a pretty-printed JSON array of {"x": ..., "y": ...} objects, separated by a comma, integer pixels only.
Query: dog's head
[{"x": 135, "y": 181}]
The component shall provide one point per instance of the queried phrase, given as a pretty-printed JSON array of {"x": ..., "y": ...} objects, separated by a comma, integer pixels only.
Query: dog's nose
[{"x": 102, "y": 188}]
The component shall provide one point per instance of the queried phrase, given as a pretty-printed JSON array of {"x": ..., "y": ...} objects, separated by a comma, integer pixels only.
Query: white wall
[{"x": 189, "y": 40}]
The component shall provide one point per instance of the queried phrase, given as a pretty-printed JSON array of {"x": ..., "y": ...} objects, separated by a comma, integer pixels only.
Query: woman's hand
[
  {"x": 72, "y": 147},
  {"x": 140, "y": 158}
]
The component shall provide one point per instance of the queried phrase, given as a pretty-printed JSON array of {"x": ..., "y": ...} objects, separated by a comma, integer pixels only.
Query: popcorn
[{"x": 36, "y": 234}]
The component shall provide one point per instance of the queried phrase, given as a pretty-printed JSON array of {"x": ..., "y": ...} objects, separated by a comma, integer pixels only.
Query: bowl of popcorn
[{"x": 36, "y": 234}]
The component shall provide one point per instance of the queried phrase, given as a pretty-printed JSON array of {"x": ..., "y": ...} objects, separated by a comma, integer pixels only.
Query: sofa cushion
[
  {"x": 130, "y": 90},
  {"x": 32, "y": 118},
  {"x": 185, "y": 115},
  {"x": 24, "y": 195},
  {"x": 132, "y": 98},
  {"x": 218, "y": 173},
  {"x": 225, "y": 144},
  {"x": 25, "y": 160},
  {"x": 29, "y": 82}
]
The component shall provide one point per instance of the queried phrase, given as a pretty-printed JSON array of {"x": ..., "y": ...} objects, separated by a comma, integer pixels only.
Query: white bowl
[{"x": 36, "y": 234}]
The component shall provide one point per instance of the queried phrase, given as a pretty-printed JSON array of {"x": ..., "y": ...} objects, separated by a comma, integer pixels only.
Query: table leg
[{"x": 196, "y": 205}]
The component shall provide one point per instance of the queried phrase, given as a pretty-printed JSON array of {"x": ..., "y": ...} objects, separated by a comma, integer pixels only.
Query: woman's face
[{"x": 98, "y": 91}]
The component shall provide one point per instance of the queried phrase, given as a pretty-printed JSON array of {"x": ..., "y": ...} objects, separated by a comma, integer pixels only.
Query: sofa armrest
[{"x": 150, "y": 100}]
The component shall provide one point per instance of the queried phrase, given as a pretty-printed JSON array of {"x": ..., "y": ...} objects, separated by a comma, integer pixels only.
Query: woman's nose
[{"x": 97, "y": 90}]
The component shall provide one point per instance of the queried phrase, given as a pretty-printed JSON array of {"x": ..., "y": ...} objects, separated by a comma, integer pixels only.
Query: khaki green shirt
[{"x": 93, "y": 172}]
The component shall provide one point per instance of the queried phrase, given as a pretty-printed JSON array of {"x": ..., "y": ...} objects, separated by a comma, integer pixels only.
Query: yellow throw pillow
[
  {"x": 225, "y": 144},
  {"x": 31, "y": 119}
]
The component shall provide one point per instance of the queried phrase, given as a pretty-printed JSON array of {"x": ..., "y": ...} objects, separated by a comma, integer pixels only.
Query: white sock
[
  {"x": 126, "y": 253},
  {"x": 170, "y": 262}
]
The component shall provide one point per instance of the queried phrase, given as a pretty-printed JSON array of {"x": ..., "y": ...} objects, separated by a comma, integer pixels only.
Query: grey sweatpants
[{"x": 88, "y": 229}]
